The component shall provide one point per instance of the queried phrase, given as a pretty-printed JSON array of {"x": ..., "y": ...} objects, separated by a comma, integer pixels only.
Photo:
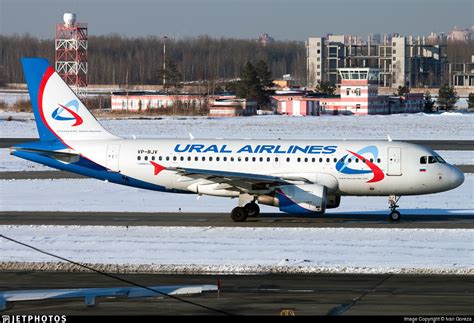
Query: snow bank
[{"x": 243, "y": 250}]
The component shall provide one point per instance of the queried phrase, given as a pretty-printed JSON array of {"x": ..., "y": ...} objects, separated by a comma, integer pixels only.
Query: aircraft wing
[{"x": 238, "y": 179}]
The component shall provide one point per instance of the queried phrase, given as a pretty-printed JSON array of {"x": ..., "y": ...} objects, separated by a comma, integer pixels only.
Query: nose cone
[{"x": 454, "y": 177}]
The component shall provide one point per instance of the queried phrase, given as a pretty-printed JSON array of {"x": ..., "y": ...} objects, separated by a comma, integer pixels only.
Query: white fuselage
[{"x": 315, "y": 161}]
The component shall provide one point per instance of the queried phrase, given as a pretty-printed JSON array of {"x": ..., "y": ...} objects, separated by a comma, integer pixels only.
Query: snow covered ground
[
  {"x": 93, "y": 195},
  {"x": 443, "y": 126},
  {"x": 244, "y": 250}
]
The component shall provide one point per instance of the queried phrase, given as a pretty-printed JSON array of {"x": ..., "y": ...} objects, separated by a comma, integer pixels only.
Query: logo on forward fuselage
[
  {"x": 342, "y": 165},
  {"x": 66, "y": 113}
]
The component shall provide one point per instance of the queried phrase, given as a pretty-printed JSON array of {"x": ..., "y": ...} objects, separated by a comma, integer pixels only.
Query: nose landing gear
[{"x": 394, "y": 214}]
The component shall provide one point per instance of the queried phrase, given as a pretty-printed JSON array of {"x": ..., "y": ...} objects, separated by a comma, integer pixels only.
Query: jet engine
[{"x": 305, "y": 198}]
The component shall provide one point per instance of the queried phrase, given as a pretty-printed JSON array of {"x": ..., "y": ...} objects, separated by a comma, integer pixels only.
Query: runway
[
  {"x": 322, "y": 294},
  {"x": 433, "y": 144},
  {"x": 341, "y": 220}
]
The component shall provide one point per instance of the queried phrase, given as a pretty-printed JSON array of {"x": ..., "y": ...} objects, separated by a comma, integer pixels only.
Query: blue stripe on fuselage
[{"x": 90, "y": 169}]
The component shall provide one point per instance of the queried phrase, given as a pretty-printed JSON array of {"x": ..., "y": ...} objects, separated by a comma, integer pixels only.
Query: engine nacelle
[
  {"x": 305, "y": 198},
  {"x": 333, "y": 201}
]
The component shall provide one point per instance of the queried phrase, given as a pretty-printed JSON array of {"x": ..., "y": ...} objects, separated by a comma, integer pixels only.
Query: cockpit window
[
  {"x": 441, "y": 160},
  {"x": 431, "y": 160},
  {"x": 423, "y": 160}
]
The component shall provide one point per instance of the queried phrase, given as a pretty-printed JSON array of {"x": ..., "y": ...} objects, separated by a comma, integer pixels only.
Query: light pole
[{"x": 164, "y": 61}]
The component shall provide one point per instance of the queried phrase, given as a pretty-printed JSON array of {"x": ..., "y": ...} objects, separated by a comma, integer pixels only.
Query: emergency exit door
[{"x": 394, "y": 161}]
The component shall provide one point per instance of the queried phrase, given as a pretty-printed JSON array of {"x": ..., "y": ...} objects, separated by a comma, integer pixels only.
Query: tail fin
[{"x": 59, "y": 113}]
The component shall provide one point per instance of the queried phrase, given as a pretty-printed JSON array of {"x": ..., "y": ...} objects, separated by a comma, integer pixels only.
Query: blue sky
[{"x": 283, "y": 20}]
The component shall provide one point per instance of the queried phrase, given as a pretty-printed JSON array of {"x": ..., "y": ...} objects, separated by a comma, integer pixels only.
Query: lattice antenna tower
[{"x": 71, "y": 53}]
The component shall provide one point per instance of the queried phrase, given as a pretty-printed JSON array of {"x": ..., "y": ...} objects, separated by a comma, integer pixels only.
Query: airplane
[{"x": 297, "y": 176}]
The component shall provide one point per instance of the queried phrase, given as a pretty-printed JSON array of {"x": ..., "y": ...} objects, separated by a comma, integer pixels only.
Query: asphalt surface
[
  {"x": 434, "y": 144},
  {"x": 321, "y": 294},
  {"x": 342, "y": 220}
]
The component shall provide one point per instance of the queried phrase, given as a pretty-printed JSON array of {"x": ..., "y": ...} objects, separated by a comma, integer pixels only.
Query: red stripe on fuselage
[
  {"x": 378, "y": 174},
  {"x": 158, "y": 167}
]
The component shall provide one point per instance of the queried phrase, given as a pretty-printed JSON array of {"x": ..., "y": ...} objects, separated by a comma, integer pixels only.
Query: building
[
  {"x": 400, "y": 60},
  {"x": 232, "y": 108},
  {"x": 220, "y": 105},
  {"x": 358, "y": 95},
  {"x": 297, "y": 104},
  {"x": 139, "y": 101},
  {"x": 462, "y": 74},
  {"x": 461, "y": 35}
]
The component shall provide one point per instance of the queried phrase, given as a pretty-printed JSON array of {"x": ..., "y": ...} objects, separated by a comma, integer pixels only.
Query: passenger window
[
  {"x": 246, "y": 159},
  {"x": 152, "y": 157},
  {"x": 371, "y": 160},
  {"x": 189, "y": 158},
  {"x": 328, "y": 160},
  {"x": 196, "y": 158},
  {"x": 254, "y": 159},
  {"x": 261, "y": 159},
  {"x": 167, "y": 158},
  {"x": 276, "y": 159},
  {"x": 378, "y": 160},
  {"x": 138, "y": 158},
  {"x": 350, "y": 160},
  {"x": 423, "y": 160},
  {"x": 239, "y": 159},
  {"x": 231, "y": 159},
  {"x": 174, "y": 158},
  {"x": 203, "y": 158},
  {"x": 306, "y": 159},
  {"x": 146, "y": 157},
  {"x": 335, "y": 160},
  {"x": 160, "y": 158},
  {"x": 313, "y": 159},
  {"x": 210, "y": 158},
  {"x": 180, "y": 158},
  {"x": 320, "y": 160},
  {"x": 217, "y": 158},
  {"x": 431, "y": 160},
  {"x": 298, "y": 159},
  {"x": 225, "y": 158},
  {"x": 288, "y": 159},
  {"x": 268, "y": 159},
  {"x": 357, "y": 160}
]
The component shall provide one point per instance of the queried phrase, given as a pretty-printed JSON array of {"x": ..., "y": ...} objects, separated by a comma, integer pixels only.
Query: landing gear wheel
[
  {"x": 253, "y": 210},
  {"x": 239, "y": 214},
  {"x": 394, "y": 216}
]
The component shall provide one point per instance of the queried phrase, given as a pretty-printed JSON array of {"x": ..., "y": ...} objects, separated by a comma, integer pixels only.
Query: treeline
[{"x": 119, "y": 60}]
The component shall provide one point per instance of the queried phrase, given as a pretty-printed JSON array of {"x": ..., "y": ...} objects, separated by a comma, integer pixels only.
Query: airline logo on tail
[
  {"x": 67, "y": 113},
  {"x": 342, "y": 165}
]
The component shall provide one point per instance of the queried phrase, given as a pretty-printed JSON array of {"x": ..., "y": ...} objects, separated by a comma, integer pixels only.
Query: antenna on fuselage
[
  {"x": 389, "y": 138},
  {"x": 191, "y": 136}
]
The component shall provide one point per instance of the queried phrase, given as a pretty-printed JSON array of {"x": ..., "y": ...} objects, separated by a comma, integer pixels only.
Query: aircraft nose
[{"x": 455, "y": 177}]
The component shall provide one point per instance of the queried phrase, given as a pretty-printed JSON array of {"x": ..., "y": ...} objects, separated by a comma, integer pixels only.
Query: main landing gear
[
  {"x": 240, "y": 213},
  {"x": 394, "y": 214}
]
